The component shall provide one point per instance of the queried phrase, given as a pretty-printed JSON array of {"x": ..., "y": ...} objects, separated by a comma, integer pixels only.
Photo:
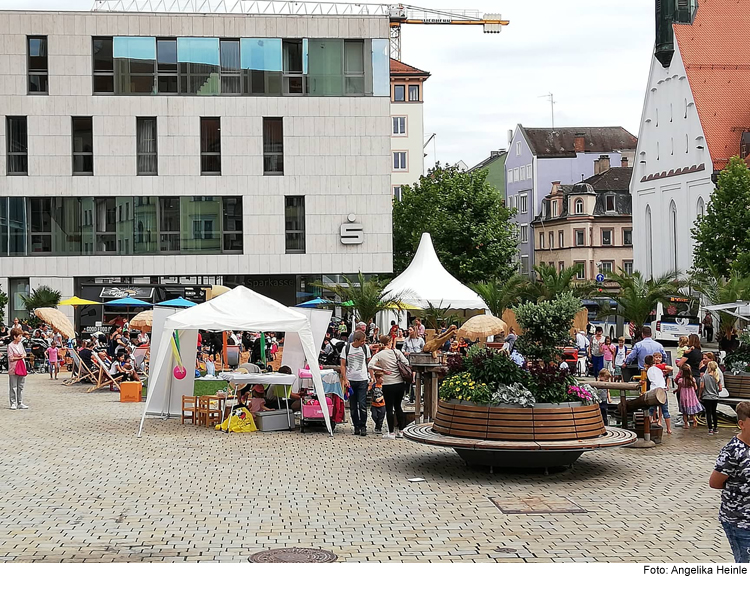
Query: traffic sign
[{"x": 599, "y": 278}]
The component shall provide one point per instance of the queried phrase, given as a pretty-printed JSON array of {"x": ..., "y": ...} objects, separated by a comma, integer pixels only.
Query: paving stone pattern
[{"x": 76, "y": 485}]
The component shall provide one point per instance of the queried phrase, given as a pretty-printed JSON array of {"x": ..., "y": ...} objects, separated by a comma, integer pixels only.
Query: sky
[{"x": 593, "y": 56}]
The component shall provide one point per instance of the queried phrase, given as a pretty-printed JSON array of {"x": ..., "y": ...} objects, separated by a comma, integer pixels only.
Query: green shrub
[
  {"x": 546, "y": 326},
  {"x": 493, "y": 367}
]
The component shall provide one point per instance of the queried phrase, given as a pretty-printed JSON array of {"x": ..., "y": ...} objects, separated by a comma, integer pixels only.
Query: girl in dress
[
  {"x": 689, "y": 404},
  {"x": 609, "y": 355}
]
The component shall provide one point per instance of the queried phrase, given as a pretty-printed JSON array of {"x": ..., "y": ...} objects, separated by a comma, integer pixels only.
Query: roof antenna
[{"x": 551, "y": 98}]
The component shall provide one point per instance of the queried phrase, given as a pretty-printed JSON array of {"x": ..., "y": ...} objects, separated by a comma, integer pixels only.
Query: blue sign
[{"x": 599, "y": 278}]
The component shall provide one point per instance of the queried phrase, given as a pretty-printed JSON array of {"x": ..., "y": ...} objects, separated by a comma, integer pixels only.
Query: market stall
[{"x": 238, "y": 309}]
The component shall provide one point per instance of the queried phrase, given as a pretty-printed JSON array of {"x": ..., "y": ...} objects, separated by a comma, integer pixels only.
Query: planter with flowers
[{"x": 488, "y": 396}]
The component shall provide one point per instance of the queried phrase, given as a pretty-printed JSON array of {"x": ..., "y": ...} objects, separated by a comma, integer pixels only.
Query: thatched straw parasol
[
  {"x": 481, "y": 326},
  {"x": 143, "y": 320},
  {"x": 57, "y": 320}
]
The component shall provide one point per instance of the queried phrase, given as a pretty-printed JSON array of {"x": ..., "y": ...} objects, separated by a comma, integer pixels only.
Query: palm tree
[
  {"x": 501, "y": 295},
  {"x": 367, "y": 295},
  {"x": 638, "y": 296},
  {"x": 551, "y": 283},
  {"x": 717, "y": 289},
  {"x": 41, "y": 297}
]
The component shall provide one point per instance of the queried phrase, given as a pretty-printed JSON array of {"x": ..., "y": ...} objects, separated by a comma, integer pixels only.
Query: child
[
  {"x": 377, "y": 408},
  {"x": 689, "y": 405},
  {"x": 732, "y": 475},
  {"x": 258, "y": 401},
  {"x": 655, "y": 376},
  {"x": 709, "y": 395},
  {"x": 682, "y": 347},
  {"x": 609, "y": 355},
  {"x": 621, "y": 353},
  {"x": 603, "y": 393},
  {"x": 52, "y": 355}
]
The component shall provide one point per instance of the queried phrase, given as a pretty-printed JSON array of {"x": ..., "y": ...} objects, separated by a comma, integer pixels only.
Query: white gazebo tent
[
  {"x": 425, "y": 282},
  {"x": 238, "y": 309}
]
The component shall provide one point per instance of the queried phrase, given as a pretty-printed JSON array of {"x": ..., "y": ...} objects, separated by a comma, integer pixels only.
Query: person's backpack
[{"x": 366, "y": 348}]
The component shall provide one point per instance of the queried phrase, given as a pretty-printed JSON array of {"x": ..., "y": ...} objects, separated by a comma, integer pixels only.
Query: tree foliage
[
  {"x": 546, "y": 326},
  {"x": 638, "y": 296},
  {"x": 501, "y": 295},
  {"x": 718, "y": 289},
  {"x": 722, "y": 234},
  {"x": 41, "y": 297},
  {"x": 467, "y": 220},
  {"x": 3, "y": 303},
  {"x": 367, "y": 295},
  {"x": 550, "y": 283}
]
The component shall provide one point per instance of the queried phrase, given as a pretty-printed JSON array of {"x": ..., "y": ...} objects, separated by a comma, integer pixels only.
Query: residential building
[
  {"x": 495, "y": 166},
  {"x": 162, "y": 153},
  {"x": 588, "y": 224},
  {"x": 539, "y": 156},
  {"x": 694, "y": 120},
  {"x": 407, "y": 121}
]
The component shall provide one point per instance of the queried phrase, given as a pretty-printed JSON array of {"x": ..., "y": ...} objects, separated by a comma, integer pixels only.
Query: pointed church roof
[{"x": 425, "y": 281}]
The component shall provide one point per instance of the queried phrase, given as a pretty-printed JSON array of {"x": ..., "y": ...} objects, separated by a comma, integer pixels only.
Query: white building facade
[
  {"x": 407, "y": 123},
  {"x": 185, "y": 149}
]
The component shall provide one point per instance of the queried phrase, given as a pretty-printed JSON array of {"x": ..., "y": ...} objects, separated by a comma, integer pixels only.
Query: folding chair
[
  {"x": 103, "y": 377},
  {"x": 81, "y": 371},
  {"x": 139, "y": 358}
]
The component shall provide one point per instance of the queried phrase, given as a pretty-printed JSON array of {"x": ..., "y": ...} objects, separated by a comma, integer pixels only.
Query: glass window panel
[
  {"x": 103, "y": 54},
  {"x": 326, "y": 67},
  {"x": 135, "y": 63},
  {"x": 381, "y": 73},
  {"x": 38, "y": 83},
  {"x": 261, "y": 62},
  {"x": 210, "y": 145},
  {"x": 273, "y": 145},
  {"x": 17, "y": 146},
  {"x": 199, "y": 59},
  {"x": 230, "y": 55},
  {"x": 294, "y": 214},
  {"x": 169, "y": 221},
  {"x": 38, "y": 53},
  {"x": 66, "y": 225},
  {"x": 414, "y": 93},
  {"x": 199, "y": 221},
  {"x": 166, "y": 53},
  {"x": 292, "y": 56},
  {"x": 83, "y": 158},
  {"x": 399, "y": 91},
  {"x": 104, "y": 84},
  {"x": 146, "y": 145},
  {"x": 144, "y": 225},
  {"x": 354, "y": 66}
]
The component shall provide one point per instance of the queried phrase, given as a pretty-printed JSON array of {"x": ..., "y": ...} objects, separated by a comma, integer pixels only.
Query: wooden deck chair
[
  {"x": 81, "y": 371},
  {"x": 103, "y": 377},
  {"x": 139, "y": 358}
]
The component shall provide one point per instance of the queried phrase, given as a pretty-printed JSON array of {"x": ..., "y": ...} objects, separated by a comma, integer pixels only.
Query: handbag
[
  {"x": 21, "y": 368},
  {"x": 404, "y": 369}
]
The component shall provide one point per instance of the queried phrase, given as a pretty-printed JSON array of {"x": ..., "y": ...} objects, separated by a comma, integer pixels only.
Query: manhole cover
[
  {"x": 540, "y": 505},
  {"x": 293, "y": 555}
]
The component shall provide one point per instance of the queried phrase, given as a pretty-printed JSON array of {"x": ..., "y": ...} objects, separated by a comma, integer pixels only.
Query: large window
[
  {"x": 250, "y": 66},
  {"x": 606, "y": 237},
  {"x": 399, "y": 93},
  {"x": 104, "y": 65},
  {"x": 627, "y": 236},
  {"x": 294, "y": 227},
  {"x": 273, "y": 146},
  {"x": 83, "y": 145},
  {"x": 232, "y": 226},
  {"x": 627, "y": 267},
  {"x": 523, "y": 200},
  {"x": 581, "y": 268},
  {"x": 399, "y": 161},
  {"x": 210, "y": 145},
  {"x": 38, "y": 74},
  {"x": 399, "y": 125},
  {"x": 525, "y": 233},
  {"x": 147, "y": 155},
  {"x": 413, "y": 93},
  {"x": 580, "y": 238},
  {"x": 17, "y": 146}
]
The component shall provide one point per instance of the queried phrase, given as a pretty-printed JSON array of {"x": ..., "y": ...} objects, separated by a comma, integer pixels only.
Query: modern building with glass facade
[{"x": 190, "y": 149}]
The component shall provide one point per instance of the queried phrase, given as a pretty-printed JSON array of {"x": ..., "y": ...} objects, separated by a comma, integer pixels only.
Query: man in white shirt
[{"x": 354, "y": 359}]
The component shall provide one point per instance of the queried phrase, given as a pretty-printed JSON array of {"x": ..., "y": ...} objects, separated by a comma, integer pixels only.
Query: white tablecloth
[{"x": 283, "y": 379}]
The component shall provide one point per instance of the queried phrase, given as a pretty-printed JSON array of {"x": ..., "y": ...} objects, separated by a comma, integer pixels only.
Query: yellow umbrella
[
  {"x": 76, "y": 301},
  {"x": 143, "y": 320},
  {"x": 481, "y": 326},
  {"x": 57, "y": 320}
]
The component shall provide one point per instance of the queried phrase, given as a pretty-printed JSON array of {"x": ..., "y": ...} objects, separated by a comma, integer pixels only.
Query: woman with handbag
[
  {"x": 395, "y": 367},
  {"x": 16, "y": 369}
]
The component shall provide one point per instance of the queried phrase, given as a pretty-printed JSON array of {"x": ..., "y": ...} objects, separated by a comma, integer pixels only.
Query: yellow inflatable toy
[{"x": 240, "y": 421}]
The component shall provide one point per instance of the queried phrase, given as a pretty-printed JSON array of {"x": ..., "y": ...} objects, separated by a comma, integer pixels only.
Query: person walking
[
  {"x": 394, "y": 387},
  {"x": 710, "y": 387},
  {"x": 361, "y": 326},
  {"x": 646, "y": 346},
  {"x": 708, "y": 327},
  {"x": 16, "y": 361},
  {"x": 596, "y": 351},
  {"x": 355, "y": 357},
  {"x": 731, "y": 475}
]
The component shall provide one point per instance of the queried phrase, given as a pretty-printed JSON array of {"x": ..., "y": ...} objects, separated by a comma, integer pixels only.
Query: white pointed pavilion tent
[
  {"x": 425, "y": 282},
  {"x": 238, "y": 309}
]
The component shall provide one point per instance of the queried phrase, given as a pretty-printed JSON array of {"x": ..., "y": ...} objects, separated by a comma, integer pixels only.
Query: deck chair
[
  {"x": 81, "y": 371},
  {"x": 139, "y": 358},
  {"x": 103, "y": 377}
]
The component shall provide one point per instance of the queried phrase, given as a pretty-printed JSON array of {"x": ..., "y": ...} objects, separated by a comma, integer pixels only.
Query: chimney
[
  {"x": 510, "y": 138},
  {"x": 601, "y": 164},
  {"x": 555, "y": 188},
  {"x": 580, "y": 142},
  {"x": 624, "y": 162}
]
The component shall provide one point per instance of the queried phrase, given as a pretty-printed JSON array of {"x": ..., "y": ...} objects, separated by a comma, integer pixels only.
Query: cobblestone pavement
[{"x": 77, "y": 485}]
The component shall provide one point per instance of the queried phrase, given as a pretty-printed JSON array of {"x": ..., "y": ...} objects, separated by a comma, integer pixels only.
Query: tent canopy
[
  {"x": 425, "y": 282},
  {"x": 178, "y": 303},
  {"x": 238, "y": 309}
]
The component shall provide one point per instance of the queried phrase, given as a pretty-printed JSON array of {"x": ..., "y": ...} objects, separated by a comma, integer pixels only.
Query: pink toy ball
[{"x": 179, "y": 373}]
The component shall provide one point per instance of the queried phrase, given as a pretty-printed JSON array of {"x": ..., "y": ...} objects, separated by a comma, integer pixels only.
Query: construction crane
[{"x": 398, "y": 14}]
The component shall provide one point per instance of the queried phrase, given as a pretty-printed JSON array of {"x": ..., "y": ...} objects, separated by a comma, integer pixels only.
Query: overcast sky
[{"x": 592, "y": 55}]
